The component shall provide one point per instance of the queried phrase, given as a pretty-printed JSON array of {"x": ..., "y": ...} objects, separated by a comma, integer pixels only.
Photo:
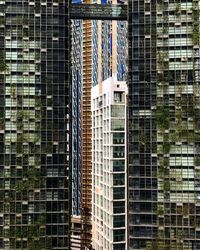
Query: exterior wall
[
  {"x": 76, "y": 114},
  {"x": 109, "y": 165},
  {"x": 121, "y": 51},
  {"x": 95, "y": 57},
  {"x": 34, "y": 133},
  {"x": 163, "y": 125},
  {"x": 77, "y": 81}
]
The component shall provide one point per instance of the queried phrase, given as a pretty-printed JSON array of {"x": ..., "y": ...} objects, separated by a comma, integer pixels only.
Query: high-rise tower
[
  {"x": 34, "y": 124},
  {"x": 109, "y": 165},
  {"x": 76, "y": 114},
  {"x": 164, "y": 126},
  {"x": 76, "y": 132}
]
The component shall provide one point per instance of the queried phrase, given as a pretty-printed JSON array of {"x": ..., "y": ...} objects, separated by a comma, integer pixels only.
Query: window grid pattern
[
  {"x": 76, "y": 113},
  {"x": 164, "y": 124},
  {"x": 34, "y": 107},
  {"x": 109, "y": 167}
]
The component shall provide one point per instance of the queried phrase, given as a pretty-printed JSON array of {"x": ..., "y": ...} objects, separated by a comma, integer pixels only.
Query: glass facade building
[
  {"x": 34, "y": 124},
  {"x": 76, "y": 114},
  {"x": 163, "y": 127}
]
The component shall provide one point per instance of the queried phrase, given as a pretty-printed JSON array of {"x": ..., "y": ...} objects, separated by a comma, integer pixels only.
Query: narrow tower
[{"x": 109, "y": 165}]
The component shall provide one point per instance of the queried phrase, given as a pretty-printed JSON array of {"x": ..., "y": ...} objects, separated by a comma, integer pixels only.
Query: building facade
[
  {"x": 34, "y": 130},
  {"x": 163, "y": 127},
  {"x": 109, "y": 48},
  {"x": 109, "y": 165},
  {"x": 77, "y": 80}
]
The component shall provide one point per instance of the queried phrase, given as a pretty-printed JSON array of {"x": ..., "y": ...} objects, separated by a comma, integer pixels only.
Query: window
[
  {"x": 118, "y": 152},
  {"x": 118, "y": 193},
  {"x": 118, "y": 165},
  {"x": 119, "y": 235},
  {"x": 117, "y": 111},
  {"x": 118, "y": 125},
  {"x": 119, "y": 97},
  {"x": 119, "y": 221},
  {"x": 119, "y": 247},
  {"x": 118, "y": 138},
  {"x": 118, "y": 179},
  {"x": 118, "y": 207}
]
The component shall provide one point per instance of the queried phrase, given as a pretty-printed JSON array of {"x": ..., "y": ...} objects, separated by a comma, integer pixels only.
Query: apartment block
[{"x": 109, "y": 165}]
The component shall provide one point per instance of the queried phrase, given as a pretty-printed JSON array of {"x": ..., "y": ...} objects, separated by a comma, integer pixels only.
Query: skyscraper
[
  {"x": 109, "y": 165},
  {"x": 34, "y": 135},
  {"x": 76, "y": 60},
  {"x": 163, "y": 127},
  {"x": 76, "y": 114}
]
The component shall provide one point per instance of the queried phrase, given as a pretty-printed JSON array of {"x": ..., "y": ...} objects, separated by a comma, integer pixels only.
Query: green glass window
[
  {"x": 119, "y": 221},
  {"x": 118, "y": 179},
  {"x": 118, "y": 207},
  {"x": 118, "y": 138},
  {"x": 118, "y": 152},
  {"x": 119, "y": 193},
  {"x": 118, "y": 165},
  {"x": 119, "y": 247},
  {"x": 118, "y": 235}
]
